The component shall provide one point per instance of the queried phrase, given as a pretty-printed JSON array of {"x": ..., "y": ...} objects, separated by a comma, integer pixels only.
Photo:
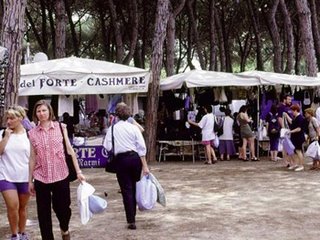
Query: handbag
[
  {"x": 111, "y": 165},
  {"x": 220, "y": 128},
  {"x": 72, "y": 171}
]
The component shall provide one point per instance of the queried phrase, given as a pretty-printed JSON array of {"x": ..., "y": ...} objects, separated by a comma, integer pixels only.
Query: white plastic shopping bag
[
  {"x": 216, "y": 142},
  {"x": 161, "y": 198},
  {"x": 313, "y": 150},
  {"x": 146, "y": 193},
  {"x": 83, "y": 192}
]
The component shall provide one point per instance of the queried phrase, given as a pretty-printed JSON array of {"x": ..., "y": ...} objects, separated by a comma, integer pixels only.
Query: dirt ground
[{"x": 229, "y": 200}]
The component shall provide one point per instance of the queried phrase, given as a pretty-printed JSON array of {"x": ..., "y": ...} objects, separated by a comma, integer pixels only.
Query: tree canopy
[{"x": 223, "y": 35}]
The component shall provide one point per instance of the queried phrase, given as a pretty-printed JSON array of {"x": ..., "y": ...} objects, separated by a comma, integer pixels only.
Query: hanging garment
[
  {"x": 113, "y": 101},
  {"x": 316, "y": 97},
  {"x": 91, "y": 103},
  {"x": 65, "y": 104},
  {"x": 306, "y": 98},
  {"x": 102, "y": 101},
  {"x": 223, "y": 97}
]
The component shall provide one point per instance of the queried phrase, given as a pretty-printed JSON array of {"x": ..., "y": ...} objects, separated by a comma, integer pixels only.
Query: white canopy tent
[
  {"x": 271, "y": 78},
  {"x": 201, "y": 78},
  {"x": 75, "y": 76}
]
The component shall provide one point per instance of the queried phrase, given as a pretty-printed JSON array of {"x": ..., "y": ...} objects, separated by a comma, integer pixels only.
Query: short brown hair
[
  {"x": 45, "y": 103},
  {"x": 295, "y": 107},
  {"x": 122, "y": 111}
]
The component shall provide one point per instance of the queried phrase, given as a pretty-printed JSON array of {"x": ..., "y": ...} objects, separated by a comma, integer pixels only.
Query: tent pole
[{"x": 258, "y": 121}]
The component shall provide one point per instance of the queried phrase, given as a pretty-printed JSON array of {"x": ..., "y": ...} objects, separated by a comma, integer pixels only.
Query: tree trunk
[
  {"x": 257, "y": 35},
  {"x": 134, "y": 25},
  {"x": 117, "y": 32},
  {"x": 290, "y": 37},
  {"x": 195, "y": 33},
  {"x": 105, "y": 32},
  {"x": 171, "y": 37},
  {"x": 275, "y": 36},
  {"x": 162, "y": 16},
  {"x": 12, "y": 35},
  {"x": 298, "y": 53},
  {"x": 74, "y": 37},
  {"x": 315, "y": 30},
  {"x": 60, "y": 36},
  {"x": 244, "y": 49},
  {"x": 306, "y": 37},
  {"x": 44, "y": 32},
  {"x": 222, "y": 52},
  {"x": 213, "y": 36}
]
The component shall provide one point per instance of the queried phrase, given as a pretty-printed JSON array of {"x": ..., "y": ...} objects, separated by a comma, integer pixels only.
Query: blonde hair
[
  {"x": 16, "y": 111},
  {"x": 310, "y": 111}
]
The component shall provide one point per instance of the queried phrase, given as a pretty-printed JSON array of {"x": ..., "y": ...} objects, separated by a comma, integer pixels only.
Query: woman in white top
[
  {"x": 206, "y": 124},
  {"x": 226, "y": 146},
  {"x": 130, "y": 151},
  {"x": 14, "y": 170}
]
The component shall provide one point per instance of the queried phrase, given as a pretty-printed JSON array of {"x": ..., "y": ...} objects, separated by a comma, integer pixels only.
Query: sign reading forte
[
  {"x": 90, "y": 156},
  {"x": 74, "y": 76}
]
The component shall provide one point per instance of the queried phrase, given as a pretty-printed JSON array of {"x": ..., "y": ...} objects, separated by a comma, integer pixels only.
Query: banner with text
[
  {"x": 91, "y": 156},
  {"x": 57, "y": 84}
]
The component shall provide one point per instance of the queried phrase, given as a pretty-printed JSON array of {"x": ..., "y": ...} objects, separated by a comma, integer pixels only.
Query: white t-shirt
[
  {"x": 227, "y": 129},
  {"x": 206, "y": 124},
  {"x": 318, "y": 114},
  {"x": 14, "y": 162}
]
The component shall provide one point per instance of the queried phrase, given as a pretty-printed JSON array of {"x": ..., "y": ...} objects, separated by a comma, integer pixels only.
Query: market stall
[
  {"x": 255, "y": 83},
  {"x": 87, "y": 89},
  {"x": 201, "y": 87}
]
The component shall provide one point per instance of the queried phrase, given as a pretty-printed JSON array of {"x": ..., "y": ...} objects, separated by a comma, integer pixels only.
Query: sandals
[
  {"x": 254, "y": 159},
  {"x": 208, "y": 163}
]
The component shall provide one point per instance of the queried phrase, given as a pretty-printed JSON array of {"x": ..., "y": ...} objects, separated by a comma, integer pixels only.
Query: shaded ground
[{"x": 228, "y": 200}]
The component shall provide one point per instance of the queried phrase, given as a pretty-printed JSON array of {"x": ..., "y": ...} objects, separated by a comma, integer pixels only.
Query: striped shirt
[{"x": 50, "y": 163}]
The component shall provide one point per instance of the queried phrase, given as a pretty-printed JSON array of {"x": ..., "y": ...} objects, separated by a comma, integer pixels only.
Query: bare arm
[
  {"x": 145, "y": 168},
  {"x": 32, "y": 162},
  {"x": 245, "y": 117},
  {"x": 4, "y": 140},
  {"x": 138, "y": 125},
  {"x": 193, "y": 123},
  {"x": 287, "y": 117}
]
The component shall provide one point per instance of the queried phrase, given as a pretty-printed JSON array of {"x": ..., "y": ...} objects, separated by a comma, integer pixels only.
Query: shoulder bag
[
  {"x": 72, "y": 171},
  {"x": 111, "y": 165}
]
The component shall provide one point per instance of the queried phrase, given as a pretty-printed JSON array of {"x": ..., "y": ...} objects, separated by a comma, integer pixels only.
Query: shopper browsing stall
[
  {"x": 207, "y": 125},
  {"x": 48, "y": 170}
]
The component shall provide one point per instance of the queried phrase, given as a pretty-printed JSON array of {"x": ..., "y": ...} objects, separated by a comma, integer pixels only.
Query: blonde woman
[
  {"x": 15, "y": 152},
  {"x": 313, "y": 133}
]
